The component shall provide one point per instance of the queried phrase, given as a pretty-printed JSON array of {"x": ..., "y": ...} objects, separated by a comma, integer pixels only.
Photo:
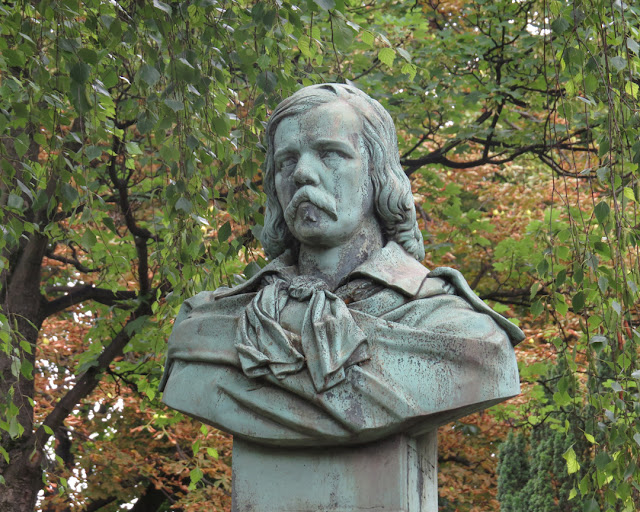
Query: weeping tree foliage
[
  {"x": 588, "y": 272},
  {"x": 130, "y": 149}
]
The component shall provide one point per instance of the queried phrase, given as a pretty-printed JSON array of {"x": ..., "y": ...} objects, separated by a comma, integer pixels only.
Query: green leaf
[
  {"x": 560, "y": 26},
  {"x": 618, "y": 63},
  {"x": 410, "y": 69},
  {"x": 578, "y": 302},
  {"x": 212, "y": 452},
  {"x": 633, "y": 46},
  {"x": 26, "y": 368},
  {"x": 88, "y": 239},
  {"x": 591, "y": 505},
  {"x": 5, "y": 454},
  {"x": 14, "y": 427},
  {"x": 69, "y": 193},
  {"x": 136, "y": 325},
  {"x": 602, "y": 212},
  {"x": 603, "y": 173},
  {"x": 14, "y": 58},
  {"x": 572, "y": 463},
  {"x": 603, "y": 283},
  {"x": 80, "y": 72},
  {"x": 387, "y": 56},
  {"x": 21, "y": 144},
  {"x": 15, "y": 201},
  {"x": 224, "y": 232},
  {"x": 404, "y": 54},
  {"x": 267, "y": 81},
  {"x": 149, "y": 75},
  {"x": 628, "y": 193},
  {"x": 93, "y": 152},
  {"x": 174, "y": 105},
  {"x": 15, "y": 366},
  {"x": 87, "y": 55},
  {"x": 184, "y": 204},
  {"x": 536, "y": 308},
  {"x": 303, "y": 45},
  {"x": 325, "y": 5},
  {"x": 162, "y": 6},
  {"x": 367, "y": 38},
  {"x": 601, "y": 460},
  {"x": 133, "y": 148},
  {"x": 196, "y": 475},
  {"x": 616, "y": 307},
  {"x": 561, "y": 398},
  {"x": 251, "y": 270},
  {"x": 78, "y": 96},
  {"x": 343, "y": 33}
]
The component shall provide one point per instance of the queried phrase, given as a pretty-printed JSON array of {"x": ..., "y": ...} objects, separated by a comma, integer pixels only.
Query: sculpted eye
[
  {"x": 332, "y": 153},
  {"x": 287, "y": 164}
]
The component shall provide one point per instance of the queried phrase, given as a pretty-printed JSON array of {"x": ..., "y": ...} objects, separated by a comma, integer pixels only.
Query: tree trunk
[{"x": 22, "y": 305}]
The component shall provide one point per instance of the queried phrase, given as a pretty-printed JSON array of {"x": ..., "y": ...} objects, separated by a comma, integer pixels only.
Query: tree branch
[
  {"x": 96, "y": 505},
  {"x": 123, "y": 196},
  {"x": 71, "y": 261},
  {"x": 439, "y": 156},
  {"x": 77, "y": 294},
  {"x": 88, "y": 381}
]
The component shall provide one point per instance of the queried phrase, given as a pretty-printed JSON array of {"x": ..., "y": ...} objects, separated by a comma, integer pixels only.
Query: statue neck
[{"x": 334, "y": 264}]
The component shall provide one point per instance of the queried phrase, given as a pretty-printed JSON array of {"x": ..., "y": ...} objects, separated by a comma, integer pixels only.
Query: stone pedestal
[{"x": 398, "y": 474}]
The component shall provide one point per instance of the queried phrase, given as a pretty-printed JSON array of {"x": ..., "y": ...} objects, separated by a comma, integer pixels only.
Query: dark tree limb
[
  {"x": 143, "y": 265},
  {"x": 96, "y": 505},
  {"x": 508, "y": 154},
  {"x": 123, "y": 195},
  {"x": 77, "y": 294},
  {"x": 71, "y": 261},
  {"x": 150, "y": 501},
  {"x": 88, "y": 381}
]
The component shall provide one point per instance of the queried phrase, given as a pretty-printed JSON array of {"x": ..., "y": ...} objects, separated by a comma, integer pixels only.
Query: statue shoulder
[{"x": 454, "y": 280}]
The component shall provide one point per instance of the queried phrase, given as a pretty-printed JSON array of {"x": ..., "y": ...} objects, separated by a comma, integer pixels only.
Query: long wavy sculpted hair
[{"x": 393, "y": 198}]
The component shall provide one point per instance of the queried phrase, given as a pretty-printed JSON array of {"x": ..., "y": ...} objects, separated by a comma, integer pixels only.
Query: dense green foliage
[
  {"x": 590, "y": 267},
  {"x": 130, "y": 149}
]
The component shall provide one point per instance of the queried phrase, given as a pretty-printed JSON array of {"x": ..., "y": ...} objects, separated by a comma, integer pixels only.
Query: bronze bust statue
[{"x": 344, "y": 337}]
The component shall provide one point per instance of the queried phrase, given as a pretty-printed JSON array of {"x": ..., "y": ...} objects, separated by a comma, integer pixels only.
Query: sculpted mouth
[{"x": 313, "y": 196}]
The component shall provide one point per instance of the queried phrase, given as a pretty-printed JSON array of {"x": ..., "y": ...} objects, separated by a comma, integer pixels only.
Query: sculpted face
[{"x": 322, "y": 178}]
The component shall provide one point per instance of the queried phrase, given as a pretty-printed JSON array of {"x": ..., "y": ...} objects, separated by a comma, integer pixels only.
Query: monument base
[{"x": 398, "y": 474}]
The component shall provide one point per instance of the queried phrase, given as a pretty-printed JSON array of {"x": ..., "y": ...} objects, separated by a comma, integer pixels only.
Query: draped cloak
[{"x": 395, "y": 349}]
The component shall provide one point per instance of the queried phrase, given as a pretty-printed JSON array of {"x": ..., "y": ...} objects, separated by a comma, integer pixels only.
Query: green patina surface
[
  {"x": 344, "y": 338},
  {"x": 393, "y": 475}
]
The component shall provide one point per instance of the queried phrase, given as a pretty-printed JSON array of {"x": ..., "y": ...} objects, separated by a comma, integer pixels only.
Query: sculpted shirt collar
[
  {"x": 390, "y": 266},
  {"x": 394, "y": 268}
]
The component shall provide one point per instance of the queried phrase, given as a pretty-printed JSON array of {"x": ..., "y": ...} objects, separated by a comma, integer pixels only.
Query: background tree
[{"x": 130, "y": 155}]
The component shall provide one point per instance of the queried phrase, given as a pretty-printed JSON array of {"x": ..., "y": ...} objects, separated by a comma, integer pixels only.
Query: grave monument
[{"x": 334, "y": 365}]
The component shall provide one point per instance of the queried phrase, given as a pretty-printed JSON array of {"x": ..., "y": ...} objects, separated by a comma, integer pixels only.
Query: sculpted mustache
[{"x": 311, "y": 195}]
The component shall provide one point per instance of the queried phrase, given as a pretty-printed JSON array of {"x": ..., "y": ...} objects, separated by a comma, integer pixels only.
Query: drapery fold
[{"x": 330, "y": 339}]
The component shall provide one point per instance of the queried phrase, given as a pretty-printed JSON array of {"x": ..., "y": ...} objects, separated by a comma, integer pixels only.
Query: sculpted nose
[{"x": 306, "y": 172}]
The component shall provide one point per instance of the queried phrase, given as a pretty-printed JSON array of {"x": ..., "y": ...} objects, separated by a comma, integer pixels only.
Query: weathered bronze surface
[{"x": 344, "y": 337}]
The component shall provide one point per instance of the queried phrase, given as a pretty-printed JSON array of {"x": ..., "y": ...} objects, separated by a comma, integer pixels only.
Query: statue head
[{"x": 392, "y": 197}]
